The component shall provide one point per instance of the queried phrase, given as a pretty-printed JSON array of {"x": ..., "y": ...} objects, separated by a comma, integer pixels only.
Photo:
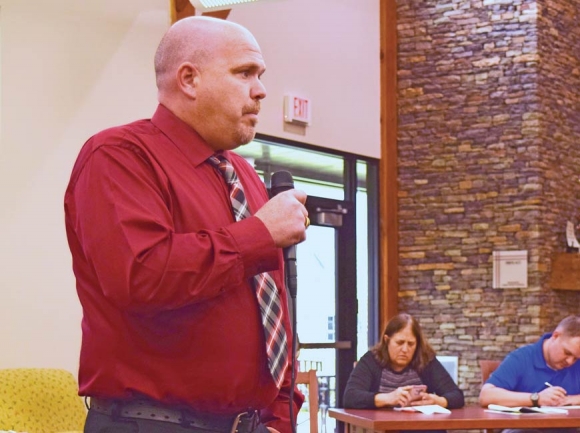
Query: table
[{"x": 471, "y": 417}]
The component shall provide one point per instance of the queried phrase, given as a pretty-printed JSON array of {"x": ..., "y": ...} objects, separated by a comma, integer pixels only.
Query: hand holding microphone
[
  {"x": 287, "y": 220},
  {"x": 284, "y": 215}
]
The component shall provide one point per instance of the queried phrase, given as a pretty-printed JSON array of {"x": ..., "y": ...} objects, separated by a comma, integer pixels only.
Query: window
[{"x": 340, "y": 176}]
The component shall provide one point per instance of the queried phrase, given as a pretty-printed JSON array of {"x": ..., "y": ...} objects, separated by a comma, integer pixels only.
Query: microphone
[{"x": 282, "y": 181}]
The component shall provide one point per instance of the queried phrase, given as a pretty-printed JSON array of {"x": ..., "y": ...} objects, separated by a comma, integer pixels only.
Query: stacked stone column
[{"x": 489, "y": 159}]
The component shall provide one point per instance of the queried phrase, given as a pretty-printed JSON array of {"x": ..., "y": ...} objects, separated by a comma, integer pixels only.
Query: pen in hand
[{"x": 549, "y": 385}]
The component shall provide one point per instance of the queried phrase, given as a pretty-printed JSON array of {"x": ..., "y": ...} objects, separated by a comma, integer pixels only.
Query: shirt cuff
[{"x": 256, "y": 246}]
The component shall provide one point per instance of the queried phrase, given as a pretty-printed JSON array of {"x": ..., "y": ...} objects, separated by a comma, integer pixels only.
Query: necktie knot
[{"x": 224, "y": 167}]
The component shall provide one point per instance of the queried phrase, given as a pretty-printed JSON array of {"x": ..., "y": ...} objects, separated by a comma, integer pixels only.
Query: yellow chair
[{"x": 40, "y": 400}]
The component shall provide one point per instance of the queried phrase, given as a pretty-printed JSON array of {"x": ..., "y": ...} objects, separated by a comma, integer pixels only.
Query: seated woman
[{"x": 386, "y": 374}]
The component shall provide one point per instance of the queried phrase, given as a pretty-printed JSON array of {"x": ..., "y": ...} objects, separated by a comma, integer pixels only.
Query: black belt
[{"x": 244, "y": 422}]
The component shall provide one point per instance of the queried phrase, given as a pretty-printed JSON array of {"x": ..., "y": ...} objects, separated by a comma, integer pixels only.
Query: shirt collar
[
  {"x": 538, "y": 357},
  {"x": 187, "y": 140}
]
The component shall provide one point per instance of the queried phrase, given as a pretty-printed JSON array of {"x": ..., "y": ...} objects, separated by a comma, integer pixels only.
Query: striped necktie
[{"x": 266, "y": 291}]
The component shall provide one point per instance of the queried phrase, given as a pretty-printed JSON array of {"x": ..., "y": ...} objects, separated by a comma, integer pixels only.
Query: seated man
[{"x": 541, "y": 374}]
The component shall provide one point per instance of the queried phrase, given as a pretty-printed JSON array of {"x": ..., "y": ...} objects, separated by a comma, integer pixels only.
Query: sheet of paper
[
  {"x": 519, "y": 409},
  {"x": 551, "y": 409},
  {"x": 427, "y": 409},
  {"x": 503, "y": 412},
  {"x": 500, "y": 408}
]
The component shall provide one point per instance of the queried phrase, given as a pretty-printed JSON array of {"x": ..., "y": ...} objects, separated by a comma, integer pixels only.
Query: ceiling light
[{"x": 212, "y": 5}]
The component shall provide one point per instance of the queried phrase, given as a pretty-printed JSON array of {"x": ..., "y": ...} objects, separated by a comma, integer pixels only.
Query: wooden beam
[
  {"x": 183, "y": 8},
  {"x": 388, "y": 188},
  {"x": 180, "y": 9},
  {"x": 223, "y": 14}
]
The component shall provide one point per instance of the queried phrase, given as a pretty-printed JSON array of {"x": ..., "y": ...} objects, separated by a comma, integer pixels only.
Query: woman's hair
[{"x": 424, "y": 353}]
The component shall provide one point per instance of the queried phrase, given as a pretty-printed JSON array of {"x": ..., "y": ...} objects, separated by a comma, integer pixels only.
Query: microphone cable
[{"x": 283, "y": 181}]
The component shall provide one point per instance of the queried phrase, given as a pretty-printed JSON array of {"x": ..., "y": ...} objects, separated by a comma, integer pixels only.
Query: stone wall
[
  {"x": 559, "y": 90},
  {"x": 489, "y": 159}
]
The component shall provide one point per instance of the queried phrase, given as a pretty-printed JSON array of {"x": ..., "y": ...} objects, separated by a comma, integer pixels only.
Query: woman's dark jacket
[{"x": 364, "y": 381}]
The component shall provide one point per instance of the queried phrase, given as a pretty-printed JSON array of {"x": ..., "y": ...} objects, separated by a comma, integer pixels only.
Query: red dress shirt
[{"x": 164, "y": 274}]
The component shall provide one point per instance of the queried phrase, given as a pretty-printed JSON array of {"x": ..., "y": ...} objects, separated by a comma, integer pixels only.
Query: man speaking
[{"x": 177, "y": 252}]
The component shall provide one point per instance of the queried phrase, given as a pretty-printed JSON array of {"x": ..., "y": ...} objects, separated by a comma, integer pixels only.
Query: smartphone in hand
[{"x": 416, "y": 391}]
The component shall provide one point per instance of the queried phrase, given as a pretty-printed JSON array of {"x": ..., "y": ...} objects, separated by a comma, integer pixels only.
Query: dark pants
[{"x": 101, "y": 423}]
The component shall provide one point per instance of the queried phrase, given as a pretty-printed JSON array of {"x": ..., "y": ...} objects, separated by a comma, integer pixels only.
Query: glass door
[
  {"x": 326, "y": 304},
  {"x": 337, "y": 265}
]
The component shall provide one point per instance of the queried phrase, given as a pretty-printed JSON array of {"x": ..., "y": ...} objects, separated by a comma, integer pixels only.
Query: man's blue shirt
[{"x": 526, "y": 370}]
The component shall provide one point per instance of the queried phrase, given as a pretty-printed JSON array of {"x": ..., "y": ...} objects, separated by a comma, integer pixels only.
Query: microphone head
[{"x": 281, "y": 181}]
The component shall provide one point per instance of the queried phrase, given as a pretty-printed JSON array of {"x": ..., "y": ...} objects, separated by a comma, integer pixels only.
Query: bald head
[
  {"x": 208, "y": 74},
  {"x": 195, "y": 40}
]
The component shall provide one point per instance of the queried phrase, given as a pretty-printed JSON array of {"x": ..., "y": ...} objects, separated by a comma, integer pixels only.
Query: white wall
[
  {"x": 328, "y": 51},
  {"x": 69, "y": 69}
]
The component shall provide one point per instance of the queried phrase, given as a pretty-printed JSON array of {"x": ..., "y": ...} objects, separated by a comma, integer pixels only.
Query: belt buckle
[{"x": 237, "y": 422}]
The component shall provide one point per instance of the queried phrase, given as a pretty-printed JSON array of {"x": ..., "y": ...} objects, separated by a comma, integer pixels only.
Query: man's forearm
[{"x": 493, "y": 395}]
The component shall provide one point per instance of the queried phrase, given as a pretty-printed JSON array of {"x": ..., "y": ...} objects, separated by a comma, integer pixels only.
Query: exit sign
[{"x": 297, "y": 110}]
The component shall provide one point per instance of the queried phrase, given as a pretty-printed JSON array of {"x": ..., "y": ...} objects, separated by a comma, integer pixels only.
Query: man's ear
[{"x": 188, "y": 79}]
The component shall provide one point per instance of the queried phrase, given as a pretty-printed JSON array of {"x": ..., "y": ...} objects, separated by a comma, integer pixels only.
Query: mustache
[{"x": 251, "y": 109}]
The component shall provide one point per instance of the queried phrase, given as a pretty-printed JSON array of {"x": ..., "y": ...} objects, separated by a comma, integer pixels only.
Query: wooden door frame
[
  {"x": 179, "y": 9},
  {"x": 388, "y": 184}
]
